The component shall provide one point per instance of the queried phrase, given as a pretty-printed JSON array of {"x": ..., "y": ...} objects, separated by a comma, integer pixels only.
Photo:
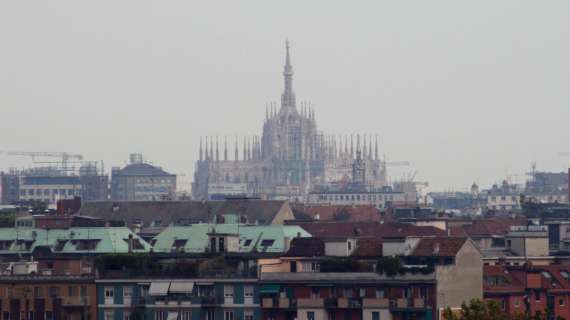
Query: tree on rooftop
[
  {"x": 477, "y": 310},
  {"x": 390, "y": 266}
]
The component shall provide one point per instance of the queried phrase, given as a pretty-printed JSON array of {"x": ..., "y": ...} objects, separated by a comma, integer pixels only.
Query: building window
[
  {"x": 38, "y": 292},
  {"x": 503, "y": 304},
  {"x": 127, "y": 316},
  {"x": 362, "y": 292},
  {"x": 517, "y": 302},
  {"x": 6, "y": 315},
  {"x": 49, "y": 315},
  {"x": 375, "y": 315},
  {"x": 127, "y": 293},
  {"x": 72, "y": 291},
  {"x": 248, "y": 291},
  {"x": 315, "y": 266},
  {"x": 53, "y": 291},
  {"x": 228, "y": 291},
  {"x": 109, "y": 292},
  {"x": 229, "y": 315},
  {"x": 248, "y": 315},
  {"x": 561, "y": 302},
  {"x": 310, "y": 315},
  {"x": 161, "y": 315},
  {"x": 380, "y": 294},
  {"x": 30, "y": 315},
  {"x": 314, "y": 293},
  {"x": 186, "y": 315},
  {"x": 209, "y": 315},
  {"x": 110, "y": 315}
]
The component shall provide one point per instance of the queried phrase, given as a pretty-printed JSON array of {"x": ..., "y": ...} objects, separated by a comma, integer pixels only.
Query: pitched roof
[
  {"x": 306, "y": 247},
  {"x": 438, "y": 247},
  {"x": 105, "y": 240},
  {"x": 141, "y": 169},
  {"x": 261, "y": 211},
  {"x": 338, "y": 212},
  {"x": 486, "y": 228},
  {"x": 194, "y": 238},
  {"x": 368, "y": 248},
  {"x": 326, "y": 230}
]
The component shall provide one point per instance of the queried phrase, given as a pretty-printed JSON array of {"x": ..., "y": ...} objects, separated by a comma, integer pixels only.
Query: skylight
[{"x": 546, "y": 274}]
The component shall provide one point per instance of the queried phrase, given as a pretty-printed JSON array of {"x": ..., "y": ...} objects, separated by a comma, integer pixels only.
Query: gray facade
[{"x": 141, "y": 181}]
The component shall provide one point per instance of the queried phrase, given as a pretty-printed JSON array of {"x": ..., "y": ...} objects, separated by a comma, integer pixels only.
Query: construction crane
[{"x": 64, "y": 156}]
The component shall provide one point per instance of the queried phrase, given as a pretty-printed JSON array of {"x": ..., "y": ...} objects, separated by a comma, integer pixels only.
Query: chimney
[
  {"x": 130, "y": 243},
  {"x": 435, "y": 248}
]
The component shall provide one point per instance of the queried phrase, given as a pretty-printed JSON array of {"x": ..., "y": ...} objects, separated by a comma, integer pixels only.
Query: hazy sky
[{"x": 464, "y": 90}]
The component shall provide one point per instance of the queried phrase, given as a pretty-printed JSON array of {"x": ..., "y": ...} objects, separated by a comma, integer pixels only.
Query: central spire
[{"x": 288, "y": 96}]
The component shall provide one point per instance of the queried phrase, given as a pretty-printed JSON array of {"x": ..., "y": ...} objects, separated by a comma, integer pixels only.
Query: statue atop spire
[{"x": 288, "y": 96}]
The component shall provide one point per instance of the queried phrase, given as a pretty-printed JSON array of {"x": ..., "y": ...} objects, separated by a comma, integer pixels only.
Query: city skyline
[{"x": 475, "y": 106}]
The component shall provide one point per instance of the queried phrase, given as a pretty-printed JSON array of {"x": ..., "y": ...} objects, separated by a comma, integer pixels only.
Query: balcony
[
  {"x": 284, "y": 303},
  {"x": 407, "y": 304},
  {"x": 75, "y": 301},
  {"x": 346, "y": 303},
  {"x": 419, "y": 303},
  {"x": 330, "y": 303},
  {"x": 375, "y": 303},
  {"x": 310, "y": 303},
  {"x": 267, "y": 303},
  {"x": 207, "y": 300}
]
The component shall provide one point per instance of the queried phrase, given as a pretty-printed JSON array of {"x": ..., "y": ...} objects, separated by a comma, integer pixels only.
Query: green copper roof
[
  {"x": 72, "y": 240},
  {"x": 252, "y": 238}
]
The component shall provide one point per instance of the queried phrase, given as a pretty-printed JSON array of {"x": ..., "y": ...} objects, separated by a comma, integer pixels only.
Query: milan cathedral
[{"x": 289, "y": 159}]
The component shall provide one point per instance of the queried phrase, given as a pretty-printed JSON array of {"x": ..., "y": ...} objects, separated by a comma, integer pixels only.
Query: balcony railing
[
  {"x": 375, "y": 303},
  {"x": 267, "y": 303},
  {"x": 407, "y": 303},
  {"x": 330, "y": 303},
  {"x": 206, "y": 300},
  {"x": 284, "y": 303},
  {"x": 310, "y": 303},
  {"x": 74, "y": 301}
]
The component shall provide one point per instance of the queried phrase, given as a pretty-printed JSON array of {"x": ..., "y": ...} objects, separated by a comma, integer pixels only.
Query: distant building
[
  {"x": 379, "y": 198},
  {"x": 48, "y": 185},
  {"x": 9, "y": 187},
  {"x": 289, "y": 157},
  {"x": 141, "y": 181}
]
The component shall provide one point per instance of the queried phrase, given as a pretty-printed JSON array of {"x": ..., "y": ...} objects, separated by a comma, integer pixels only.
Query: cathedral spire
[
  {"x": 236, "y": 156},
  {"x": 376, "y": 149},
  {"x": 225, "y": 148},
  {"x": 201, "y": 151},
  {"x": 217, "y": 149},
  {"x": 288, "y": 96}
]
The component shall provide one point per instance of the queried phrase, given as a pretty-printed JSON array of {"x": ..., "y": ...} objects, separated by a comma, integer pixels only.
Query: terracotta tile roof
[
  {"x": 511, "y": 282},
  {"x": 368, "y": 248},
  {"x": 306, "y": 247},
  {"x": 326, "y": 230},
  {"x": 554, "y": 278},
  {"x": 338, "y": 213},
  {"x": 438, "y": 247},
  {"x": 486, "y": 228},
  {"x": 262, "y": 211}
]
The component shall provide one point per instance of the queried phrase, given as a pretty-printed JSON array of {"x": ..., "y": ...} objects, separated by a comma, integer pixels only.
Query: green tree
[{"x": 477, "y": 310}]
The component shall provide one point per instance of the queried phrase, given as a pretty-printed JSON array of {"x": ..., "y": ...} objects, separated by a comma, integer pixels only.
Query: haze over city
[{"x": 464, "y": 91}]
